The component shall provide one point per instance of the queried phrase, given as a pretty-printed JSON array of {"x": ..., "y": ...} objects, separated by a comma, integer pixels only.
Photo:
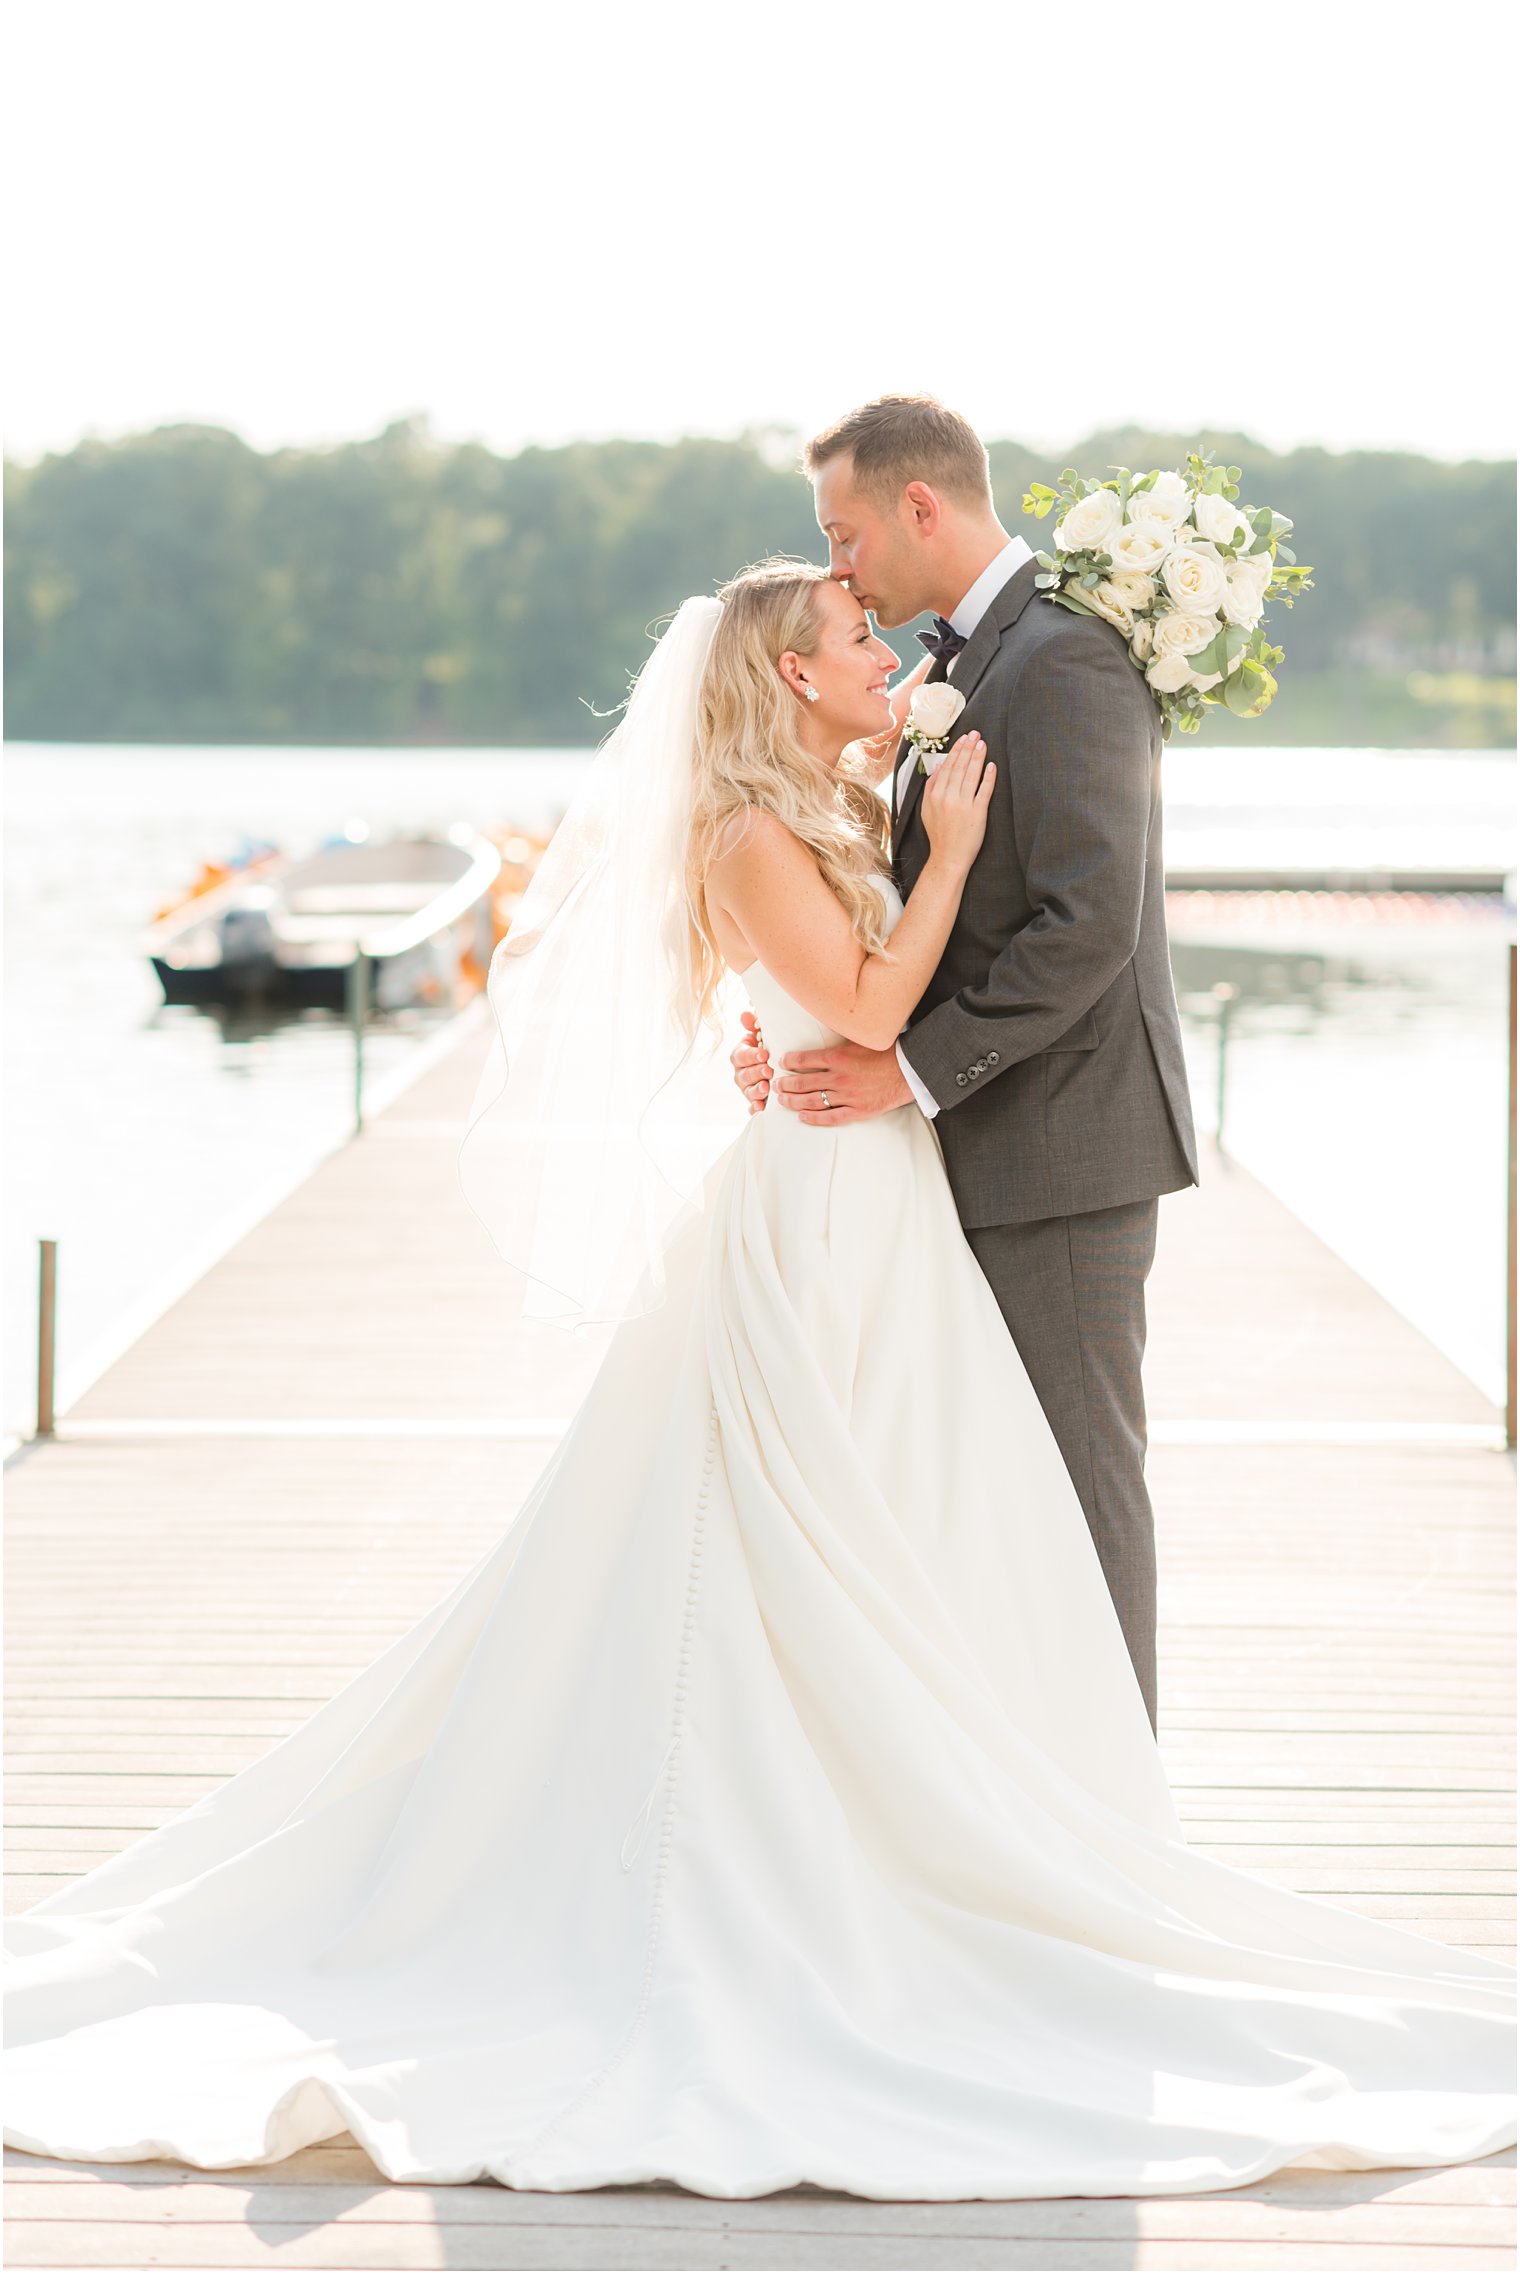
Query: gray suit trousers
[{"x": 1072, "y": 1290}]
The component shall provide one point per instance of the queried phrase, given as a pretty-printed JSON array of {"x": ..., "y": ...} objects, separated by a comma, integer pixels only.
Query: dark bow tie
[{"x": 944, "y": 641}]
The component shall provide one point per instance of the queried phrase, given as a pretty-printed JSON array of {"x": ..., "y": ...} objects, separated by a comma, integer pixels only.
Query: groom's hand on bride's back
[
  {"x": 751, "y": 1062},
  {"x": 846, "y": 1082},
  {"x": 856, "y": 1082}
]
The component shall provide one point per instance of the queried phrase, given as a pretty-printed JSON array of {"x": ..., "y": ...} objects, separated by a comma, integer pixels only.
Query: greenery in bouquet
[{"x": 1185, "y": 571}]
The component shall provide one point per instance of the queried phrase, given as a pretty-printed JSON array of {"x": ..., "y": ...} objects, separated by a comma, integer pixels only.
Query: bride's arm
[
  {"x": 877, "y": 749},
  {"x": 772, "y": 888}
]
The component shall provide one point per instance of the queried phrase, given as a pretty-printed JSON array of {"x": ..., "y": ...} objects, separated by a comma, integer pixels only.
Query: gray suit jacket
[{"x": 1049, "y": 1034}]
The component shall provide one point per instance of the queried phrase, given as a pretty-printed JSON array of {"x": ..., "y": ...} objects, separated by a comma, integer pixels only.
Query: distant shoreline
[{"x": 176, "y": 585}]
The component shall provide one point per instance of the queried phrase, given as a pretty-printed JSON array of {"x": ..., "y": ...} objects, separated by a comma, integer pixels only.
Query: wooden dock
[{"x": 326, "y": 1432}]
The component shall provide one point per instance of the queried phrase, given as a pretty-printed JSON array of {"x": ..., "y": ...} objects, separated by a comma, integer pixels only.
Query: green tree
[{"x": 178, "y": 586}]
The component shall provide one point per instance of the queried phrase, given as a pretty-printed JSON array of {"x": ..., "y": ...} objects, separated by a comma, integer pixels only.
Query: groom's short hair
[{"x": 899, "y": 439}]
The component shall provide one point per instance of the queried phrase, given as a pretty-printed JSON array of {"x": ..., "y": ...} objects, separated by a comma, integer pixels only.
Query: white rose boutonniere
[{"x": 934, "y": 709}]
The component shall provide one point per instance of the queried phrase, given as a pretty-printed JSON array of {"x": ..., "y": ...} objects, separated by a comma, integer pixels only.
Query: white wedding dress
[{"x": 774, "y": 1803}]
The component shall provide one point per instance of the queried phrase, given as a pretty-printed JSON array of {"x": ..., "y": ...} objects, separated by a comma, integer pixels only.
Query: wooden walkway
[{"x": 325, "y": 1432}]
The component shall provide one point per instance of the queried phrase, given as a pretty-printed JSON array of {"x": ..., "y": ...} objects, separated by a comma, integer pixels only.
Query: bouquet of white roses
[{"x": 1184, "y": 571}]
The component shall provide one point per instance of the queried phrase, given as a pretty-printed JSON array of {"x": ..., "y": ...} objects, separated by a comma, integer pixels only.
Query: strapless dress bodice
[{"x": 784, "y": 1023}]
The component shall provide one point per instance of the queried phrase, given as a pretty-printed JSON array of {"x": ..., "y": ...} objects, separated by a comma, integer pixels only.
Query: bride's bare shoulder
[
  {"x": 755, "y": 839},
  {"x": 751, "y": 857}
]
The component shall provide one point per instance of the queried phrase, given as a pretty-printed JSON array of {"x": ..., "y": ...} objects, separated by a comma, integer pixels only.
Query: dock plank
[{"x": 1336, "y": 1679}]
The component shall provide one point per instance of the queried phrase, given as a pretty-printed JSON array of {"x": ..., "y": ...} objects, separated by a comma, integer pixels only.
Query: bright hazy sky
[{"x": 303, "y": 218}]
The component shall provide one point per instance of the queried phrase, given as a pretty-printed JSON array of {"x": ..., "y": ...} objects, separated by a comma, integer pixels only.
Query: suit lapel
[
  {"x": 1006, "y": 608},
  {"x": 978, "y": 652}
]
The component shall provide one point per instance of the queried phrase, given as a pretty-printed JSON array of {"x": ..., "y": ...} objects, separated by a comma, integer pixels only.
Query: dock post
[
  {"x": 1509, "y": 1300},
  {"x": 358, "y": 1012},
  {"x": 47, "y": 1327},
  {"x": 1225, "y": 994}
]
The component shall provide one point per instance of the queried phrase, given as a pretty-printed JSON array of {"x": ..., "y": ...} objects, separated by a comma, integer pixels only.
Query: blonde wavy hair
[{"x": 749, "y": 755}]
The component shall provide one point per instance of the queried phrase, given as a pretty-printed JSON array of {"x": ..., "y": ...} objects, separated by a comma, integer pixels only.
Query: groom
[{"x": 1046, "y": 1047}]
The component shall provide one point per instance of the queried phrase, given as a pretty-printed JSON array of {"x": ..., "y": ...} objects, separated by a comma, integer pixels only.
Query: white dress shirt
[{"x": 964, "y": 618}]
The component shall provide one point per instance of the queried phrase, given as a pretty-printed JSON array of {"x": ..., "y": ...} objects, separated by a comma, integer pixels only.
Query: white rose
[
  {"x": 1137, "y": 592},
  {"x": 1184, "y": 632},
  {"x": 1091, "y": 522},
  {"x": 1220, "y": 521},
  {"x": 1140, "y": 645},
  {"x": 1194, "y": 577},
  {"x": 1168, "y": 674},
  {"x": 1140, "y": 547},
  {"x": 1244, "y": 598},
  {"x": 1257, "y": 565},
  {"x": 1107, "y": 601},
  {"x": 935, "y": 708},
  {"x": 1166, "y": 500}
]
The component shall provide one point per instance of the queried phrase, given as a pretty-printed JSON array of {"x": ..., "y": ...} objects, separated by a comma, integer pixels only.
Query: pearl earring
[{"x": 812, "y": 694}]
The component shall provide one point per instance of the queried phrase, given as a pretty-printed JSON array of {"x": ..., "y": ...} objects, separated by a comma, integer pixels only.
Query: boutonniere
[{"x": 932, "y": 712}]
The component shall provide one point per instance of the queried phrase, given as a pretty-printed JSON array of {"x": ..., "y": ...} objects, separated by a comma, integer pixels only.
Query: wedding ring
[{"x": 825, "y": 1101}]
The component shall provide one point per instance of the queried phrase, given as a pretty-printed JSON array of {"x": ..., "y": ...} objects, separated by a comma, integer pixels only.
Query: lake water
[{"x": 1367, "y": 1062}]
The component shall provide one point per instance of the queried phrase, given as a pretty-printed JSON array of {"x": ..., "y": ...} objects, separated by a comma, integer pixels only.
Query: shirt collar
[{"x": 973, "y": 605}]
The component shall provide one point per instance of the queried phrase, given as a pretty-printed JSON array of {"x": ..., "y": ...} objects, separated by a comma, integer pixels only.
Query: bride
[{"x": 775, "y": 1801}]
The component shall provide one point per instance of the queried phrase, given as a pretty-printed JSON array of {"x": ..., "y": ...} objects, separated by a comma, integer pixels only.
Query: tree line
[{"x": 180, "y": 586}]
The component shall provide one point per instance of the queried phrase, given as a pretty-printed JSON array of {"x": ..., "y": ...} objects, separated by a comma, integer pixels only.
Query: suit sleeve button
[
  {"x": 992, "y": 1057},
  {"x": 961, "y": 1079}
]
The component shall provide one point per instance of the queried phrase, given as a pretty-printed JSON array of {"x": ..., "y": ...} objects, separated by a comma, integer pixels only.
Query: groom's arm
[{"x": 1077, "y": 738}]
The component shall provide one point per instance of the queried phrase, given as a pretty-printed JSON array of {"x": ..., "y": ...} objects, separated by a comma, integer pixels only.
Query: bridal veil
[{"x": 605, "y": 1097}]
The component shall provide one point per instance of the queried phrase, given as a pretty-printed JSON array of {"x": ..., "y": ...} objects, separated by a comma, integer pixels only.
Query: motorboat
[{"x": 419, "y": 909}]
